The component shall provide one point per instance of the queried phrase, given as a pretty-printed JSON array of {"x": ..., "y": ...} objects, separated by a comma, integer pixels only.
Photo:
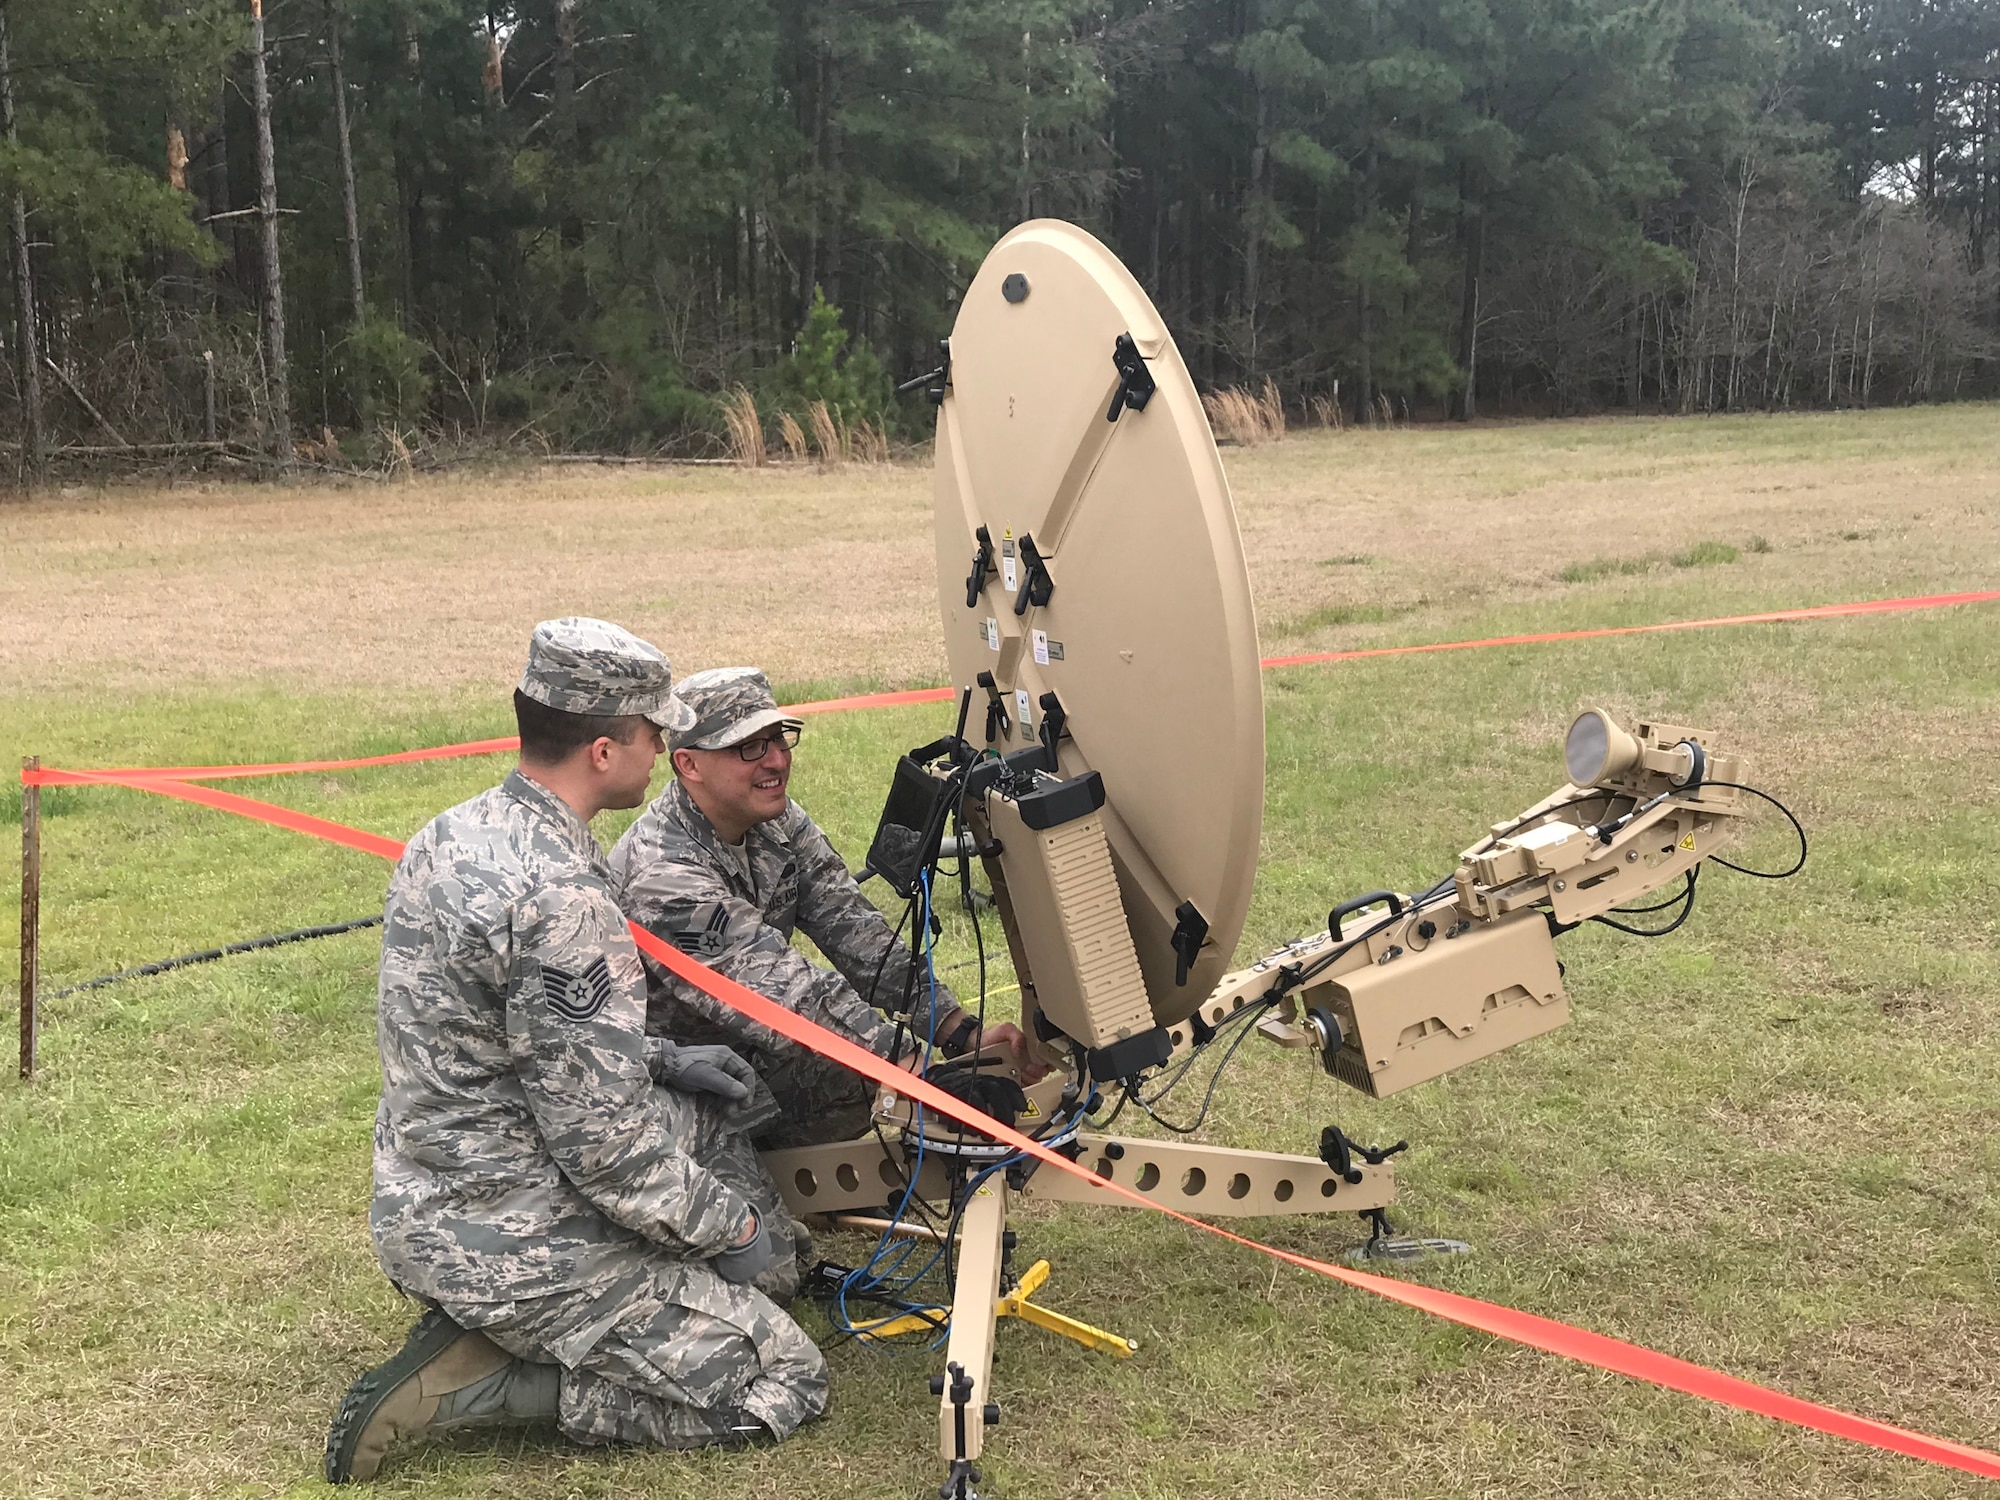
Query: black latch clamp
[
  {"x": 998, "y": 725},
  {"x": 1054, "y": 724},
  {"x": 1190, "y": 932},
  {"x": 935, "y": 381},
  {"x": 982, "y": 566},
  {"x": 1135, "y": 381},
  {"x": 1036, "y": 585}
]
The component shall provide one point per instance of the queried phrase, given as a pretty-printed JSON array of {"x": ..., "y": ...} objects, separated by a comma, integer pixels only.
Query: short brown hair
[{"x": 549, "y": 736}]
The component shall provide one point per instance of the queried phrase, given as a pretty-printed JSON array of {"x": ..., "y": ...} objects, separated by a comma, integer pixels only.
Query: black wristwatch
[{"x": 962, "y": 1037}]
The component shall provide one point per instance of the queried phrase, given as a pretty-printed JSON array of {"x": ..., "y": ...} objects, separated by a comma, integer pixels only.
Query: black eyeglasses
[{"x": 757, "y": 748}]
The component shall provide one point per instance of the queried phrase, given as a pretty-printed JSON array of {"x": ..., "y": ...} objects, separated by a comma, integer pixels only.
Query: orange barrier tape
[
  {"x": 1535, "y": 1332},
  {"x": 51, "y": 777},
  {"x": 1769, "y": 617},
  {"x": 875, "y": 700},
  {"x": 48, "y": 777},
  {"x": 246, "y": 807}
]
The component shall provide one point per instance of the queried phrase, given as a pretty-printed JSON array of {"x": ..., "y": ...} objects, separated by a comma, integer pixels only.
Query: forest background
[{"x": 353, "y": 228}]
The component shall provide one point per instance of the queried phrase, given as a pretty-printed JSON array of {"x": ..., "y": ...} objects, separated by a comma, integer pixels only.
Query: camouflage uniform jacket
[
  {"x": 520, "y": 1134},
  {"x": 674, "y": 877}
]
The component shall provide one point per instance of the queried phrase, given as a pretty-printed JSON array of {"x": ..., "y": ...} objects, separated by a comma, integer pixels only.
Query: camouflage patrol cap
[
  {"x": 583, "y": 666},
  {"x": 730, "y": 704}
]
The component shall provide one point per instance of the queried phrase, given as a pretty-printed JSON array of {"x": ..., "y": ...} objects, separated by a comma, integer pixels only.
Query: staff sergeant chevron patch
[
  {"x": 708, "y": 940},
  {"x": 577, "y": 997}
]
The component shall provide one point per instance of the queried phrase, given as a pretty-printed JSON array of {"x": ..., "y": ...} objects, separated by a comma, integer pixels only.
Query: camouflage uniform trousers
[
  {"x": 681, "y": 1355},
  {"x": 818, "y": 1100}
]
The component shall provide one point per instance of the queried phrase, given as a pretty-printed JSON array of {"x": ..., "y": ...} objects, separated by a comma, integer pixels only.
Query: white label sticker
[
  {"x": 1007, "y": 572},
  {"x": 992, "y": 634},
  {"x": 1022, "y": 704},
  {"x": 1041, "y": 640}
]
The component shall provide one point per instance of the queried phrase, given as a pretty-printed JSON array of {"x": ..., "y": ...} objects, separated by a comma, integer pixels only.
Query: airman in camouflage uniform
[
  {"x": 735, "y": 904},
  {"x": 531, "y": 1180}
]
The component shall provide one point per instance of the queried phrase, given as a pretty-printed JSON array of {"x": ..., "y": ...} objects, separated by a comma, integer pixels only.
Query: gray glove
[
  {"x": 701, "y": 1070},
  {"x": 742, "y": 1264}
]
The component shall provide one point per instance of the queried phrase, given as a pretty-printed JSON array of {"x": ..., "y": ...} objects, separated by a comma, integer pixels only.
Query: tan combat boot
[{"x": 401, "y": 1397}]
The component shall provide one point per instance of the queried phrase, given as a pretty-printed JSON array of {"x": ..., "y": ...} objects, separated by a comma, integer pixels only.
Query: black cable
[
  {"x": 209, "y": 955},
  {"x": 1667, "y": 905},
  {"x": 1116, "y": 1110},
  {"x": 1687, "y": 910},
  {"x": 1435, "y": 896},
  {"x": 1256, "y": 1007},
  {"x": 965, "y": 893},
  {"x": 1797, "y": 827},
  {"x": 1596, "y": 796},
  {"x": 875, "y": 984},
  {"x": 1208, "y": 1098}
]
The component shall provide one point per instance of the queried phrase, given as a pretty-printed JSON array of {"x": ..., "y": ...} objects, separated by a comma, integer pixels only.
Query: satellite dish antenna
[
  {"x": 1096, "y": 610},
  {"x": 1093, "y": 586}
]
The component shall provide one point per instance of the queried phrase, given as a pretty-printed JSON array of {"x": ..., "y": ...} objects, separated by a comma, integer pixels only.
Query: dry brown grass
[
  {"x": 793, "y": 436},
  {"x": 433, "y": 585},
  {"x": 827, "y": 436},
  {"x": 868, "y": 443},
  {"x": 1245, "y": 416},
  {"x": 746, "y": 429}
]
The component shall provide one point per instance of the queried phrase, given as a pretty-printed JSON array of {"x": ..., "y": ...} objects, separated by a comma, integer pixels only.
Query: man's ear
[
  {"x": 685, "y": 765},
  {"x": 600, "y": 751}
]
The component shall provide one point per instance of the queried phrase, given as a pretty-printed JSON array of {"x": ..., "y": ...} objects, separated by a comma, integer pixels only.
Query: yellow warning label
[
  {"x": 1687, "y": 842},
  {"x": 1032, "y": 1112},
  {"x": 1007, "y": 535}
]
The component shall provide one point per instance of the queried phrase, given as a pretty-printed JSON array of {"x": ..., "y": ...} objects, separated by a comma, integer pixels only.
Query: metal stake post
[{"x": 31, "y": 909}]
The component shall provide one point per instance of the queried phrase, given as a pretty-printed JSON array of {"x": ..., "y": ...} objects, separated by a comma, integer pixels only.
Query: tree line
[{"x": 342, "y": 228}]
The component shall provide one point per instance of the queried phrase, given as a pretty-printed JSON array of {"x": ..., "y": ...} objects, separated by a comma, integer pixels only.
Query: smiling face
[{"x": 738, "y": 794}]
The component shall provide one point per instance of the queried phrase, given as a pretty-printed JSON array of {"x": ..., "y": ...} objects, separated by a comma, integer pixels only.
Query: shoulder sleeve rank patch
[
  {"x": 705, "y": 941},
  {"x": 577, "y": 997}
]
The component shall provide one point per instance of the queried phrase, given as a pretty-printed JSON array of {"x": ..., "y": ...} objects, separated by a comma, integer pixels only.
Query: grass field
[{"x": 1767, "y": 1143}]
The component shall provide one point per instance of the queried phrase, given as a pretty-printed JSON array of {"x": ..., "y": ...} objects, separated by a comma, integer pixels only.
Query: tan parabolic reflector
[{"x": 1148, "y": 638}]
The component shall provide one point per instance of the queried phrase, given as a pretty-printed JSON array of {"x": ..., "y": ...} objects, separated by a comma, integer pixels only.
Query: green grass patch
[
  {"x": 1605, "y": 567},
  {"x": 1705, "y": 555},
  {"x": 1329, "y": 615},
  {"x": 1766, "y": 1143}
]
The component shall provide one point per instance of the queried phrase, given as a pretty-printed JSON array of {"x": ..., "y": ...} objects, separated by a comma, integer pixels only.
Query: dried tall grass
[
  {"x": 1245, "y": 416},
  {"x": 746, "y": 429},
  {"x": 396, "y": 459},
  {"x": 1327, "y": 410},
  {"x": 827, "y": 435},
  {"x": 792, "y": 436},
  {"x": 868, "y": 442}
]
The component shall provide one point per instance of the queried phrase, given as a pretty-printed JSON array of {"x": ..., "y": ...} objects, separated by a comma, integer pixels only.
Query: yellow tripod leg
[
  {"x": 1016, "y": 1305},
  {"x": 930, "y": 1320}
]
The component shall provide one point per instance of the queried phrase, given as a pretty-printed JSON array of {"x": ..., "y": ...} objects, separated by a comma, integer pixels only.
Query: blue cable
[
  {"x": 882, "y": 1278},
  {"x": 886, "y": 1261}
]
